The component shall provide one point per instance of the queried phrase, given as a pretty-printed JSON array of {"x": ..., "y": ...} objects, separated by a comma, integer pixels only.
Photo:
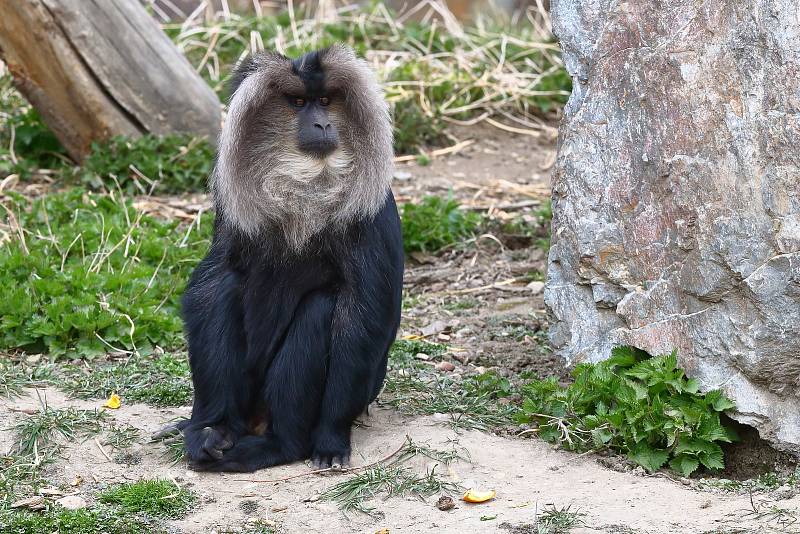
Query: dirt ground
[
  {"x": 528, "y": 475},
  {"x": 486, "y": 305}
]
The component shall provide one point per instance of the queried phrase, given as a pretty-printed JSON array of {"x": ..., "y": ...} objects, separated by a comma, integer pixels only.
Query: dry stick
[
  {"x": 99, "y": 446},
  {"x": 317, "y": 471},
  {"x": 438, "y": 152}
]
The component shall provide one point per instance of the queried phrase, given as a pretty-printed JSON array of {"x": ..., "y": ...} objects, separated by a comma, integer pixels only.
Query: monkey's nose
[{"x": 326, "y": 128}]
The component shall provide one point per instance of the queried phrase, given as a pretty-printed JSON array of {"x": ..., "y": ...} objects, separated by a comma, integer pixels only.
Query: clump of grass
[
  {"x": 393, "y": 481},
  {"x": 636, "y": 404},
  {"x": 90, "y": 272},
  {"x": 160, "y": 381},
  {"x": 85, "y": 521},
  {"x": 403, "y": 352},
  {"x": 174, "y": 448},
  {"x": 414, "y": 389},
  {"x": 156, "y": 498},
  {"x": 554, "y": 520},
  {"x": 435, "y": 223},
  {"x": 467, "y": 404},
  {"x": 149, "y": 164},
  {"x": 46, "y": 428},
  {"x": 121, "y": 436},
  {"x": 433, "y": 71},
  {"x": 15, "y": 376}
]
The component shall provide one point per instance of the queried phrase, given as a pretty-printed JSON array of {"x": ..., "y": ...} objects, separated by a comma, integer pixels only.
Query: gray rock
[{"x": 676, "y": 195}]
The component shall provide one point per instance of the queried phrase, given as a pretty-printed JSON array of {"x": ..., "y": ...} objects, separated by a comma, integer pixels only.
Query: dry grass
[{"x": 500, "y": 70}]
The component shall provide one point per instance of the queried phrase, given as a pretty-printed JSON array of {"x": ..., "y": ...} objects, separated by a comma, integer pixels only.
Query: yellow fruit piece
[
  {"x": 473, "y": 495},
  {"x": 113, "y": 402}
]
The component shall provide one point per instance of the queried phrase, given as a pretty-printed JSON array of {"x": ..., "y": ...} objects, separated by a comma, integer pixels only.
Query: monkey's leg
[
  {"x": 293, "y": 390},
  {"x": 358, "y": 349},
  {"x": 217, "y": 347}
]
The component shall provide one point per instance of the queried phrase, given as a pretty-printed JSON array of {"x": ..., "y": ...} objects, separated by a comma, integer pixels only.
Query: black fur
[{"x": 298, "y": 341}]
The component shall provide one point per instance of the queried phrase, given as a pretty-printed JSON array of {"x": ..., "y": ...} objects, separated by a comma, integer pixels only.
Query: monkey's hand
[{"x": 207, "y": 444}]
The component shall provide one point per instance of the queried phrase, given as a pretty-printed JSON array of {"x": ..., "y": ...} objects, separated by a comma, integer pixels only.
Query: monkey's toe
[{"x": 330, "y": 461}]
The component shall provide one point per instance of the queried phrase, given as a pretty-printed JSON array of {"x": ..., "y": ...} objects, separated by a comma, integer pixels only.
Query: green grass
[
  {"x": 149, "y": 164},
  {"x": 554, "y": 520},
  {"x": 393, "y": 481},
  {"x": 155, "y": 498},
  {"x": 435, "y": 223},
  {"x": 15, "y": 376},
  {"x": 49, "y": 427},
  {"x": 85, "y": 521},
  {"x": 159, "y": 381},
  {"x": 93, "y": 274},
  {"x": 636, "y": 404},
  {"x": 413, "y": 388}
]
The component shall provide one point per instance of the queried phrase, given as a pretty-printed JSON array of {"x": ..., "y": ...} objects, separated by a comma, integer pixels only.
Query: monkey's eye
[
  {"x": 297, "y": 102},
  {"x": 324, "y": 101}
]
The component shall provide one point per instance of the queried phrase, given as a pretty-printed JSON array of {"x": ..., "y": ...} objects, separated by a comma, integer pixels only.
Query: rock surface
[{"x": 676, "y": 194}]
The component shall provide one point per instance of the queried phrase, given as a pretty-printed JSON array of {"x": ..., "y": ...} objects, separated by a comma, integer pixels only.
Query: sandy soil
[{"x": 528, "y": 475}]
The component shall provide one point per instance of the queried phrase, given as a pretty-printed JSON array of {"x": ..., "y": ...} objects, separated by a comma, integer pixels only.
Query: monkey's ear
[{"x": 245, "y": 68}]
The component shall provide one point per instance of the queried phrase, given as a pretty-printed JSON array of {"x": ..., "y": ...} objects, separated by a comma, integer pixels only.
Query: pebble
[
  {"x": 71, "y": 502},
  {"x": 445, "y": 366}
]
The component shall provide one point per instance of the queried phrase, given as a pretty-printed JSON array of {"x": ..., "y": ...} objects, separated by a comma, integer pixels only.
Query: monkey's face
[
  {"x": 307, "y": 142},
  {"x": 316, "y": 134}
]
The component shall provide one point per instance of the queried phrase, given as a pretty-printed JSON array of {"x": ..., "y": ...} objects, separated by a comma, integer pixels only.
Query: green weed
[
  {"x": 633, "y": 403},
  {"x": 435, "y": 223},
  {"x": 90, "y": 273},
  {"x": 156, "y": 498},
  {"x": 162, "y": 381}
]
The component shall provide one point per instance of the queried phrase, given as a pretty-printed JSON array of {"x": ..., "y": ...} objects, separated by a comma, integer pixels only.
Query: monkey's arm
[{"x": 365, "y": 322}]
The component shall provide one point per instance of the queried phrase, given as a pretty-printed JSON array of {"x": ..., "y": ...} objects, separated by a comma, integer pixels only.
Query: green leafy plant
[
  {"x": 90, "y": 273},
  {"x": 636, "y": 404},
  {"x": 435, "y": 223},
  {"x": 169, "y": 164}
]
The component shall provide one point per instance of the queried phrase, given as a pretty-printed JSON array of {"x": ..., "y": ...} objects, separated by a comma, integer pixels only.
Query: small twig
[
  {"x": 99, "y": 446},
  {"x": 318, "y": 471}
]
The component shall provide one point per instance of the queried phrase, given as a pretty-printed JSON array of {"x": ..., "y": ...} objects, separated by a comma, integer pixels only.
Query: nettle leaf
[
  {"x": 648, "y": 457},
  {"x": 684, "y": 464},
  {"x": 644, "y": 407},
  {"x": 624, "y": 356},
  {"x": 601, "y": 436},
  {"x": 712, "y": 459},
  {"x": 719, "y": 401}
]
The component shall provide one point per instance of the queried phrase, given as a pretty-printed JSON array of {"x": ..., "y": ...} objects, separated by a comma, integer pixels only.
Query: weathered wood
[{"x": 95, "y": 69}]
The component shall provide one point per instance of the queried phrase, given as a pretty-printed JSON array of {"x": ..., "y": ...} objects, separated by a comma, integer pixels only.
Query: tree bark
[
  {"x": 676, "y": 195},
  {"x": 97, "y": 68}
]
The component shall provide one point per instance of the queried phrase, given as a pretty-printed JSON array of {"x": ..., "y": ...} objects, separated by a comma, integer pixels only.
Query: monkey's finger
[{"x": 172, "y": 429}]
